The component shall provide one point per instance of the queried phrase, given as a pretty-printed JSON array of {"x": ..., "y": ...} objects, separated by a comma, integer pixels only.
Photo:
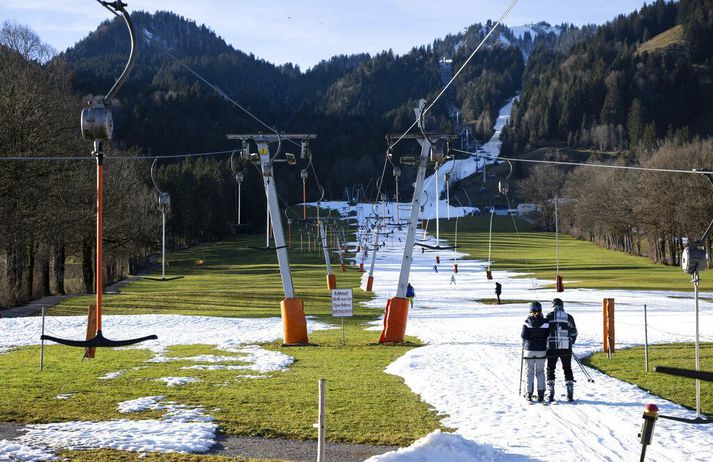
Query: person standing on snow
[
  {"x": 534, "y": 335},
  {"x": 498, "y": 291},
  {"x": 561, "y": 338}
]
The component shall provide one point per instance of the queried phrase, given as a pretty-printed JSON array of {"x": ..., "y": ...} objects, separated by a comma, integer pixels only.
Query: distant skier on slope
[
  {"x": 562, "y": 335},
  {"x": 498, "y": 291},
  {"x": 534, "y": 336}
]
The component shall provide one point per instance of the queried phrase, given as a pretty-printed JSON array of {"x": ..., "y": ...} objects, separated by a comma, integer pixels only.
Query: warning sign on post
[{"x": 341, "y": 303}]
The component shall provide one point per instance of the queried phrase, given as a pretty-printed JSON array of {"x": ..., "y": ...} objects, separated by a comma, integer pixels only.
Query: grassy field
[
  {"x": 629, "y": 365},
  {"x": 361, "y": 399},
  {"x": 236, "y": 280},
  {"x": 364, "y": 404},
  {"x": 674, "y": 36},
  {"x": 583, "y": 264}
]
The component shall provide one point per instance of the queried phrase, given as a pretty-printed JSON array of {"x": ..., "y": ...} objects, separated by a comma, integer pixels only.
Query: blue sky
[{"x": 307, "y": 31}]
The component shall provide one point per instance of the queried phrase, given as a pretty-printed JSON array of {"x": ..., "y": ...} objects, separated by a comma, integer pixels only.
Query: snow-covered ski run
[{"x": 469, "y": 369}]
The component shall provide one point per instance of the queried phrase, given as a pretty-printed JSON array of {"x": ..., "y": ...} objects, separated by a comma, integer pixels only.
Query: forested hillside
[
  {"x": 350, "y": 102},
  {"x": 637, "y": 93},
  {"x": 612, "y": 91}
]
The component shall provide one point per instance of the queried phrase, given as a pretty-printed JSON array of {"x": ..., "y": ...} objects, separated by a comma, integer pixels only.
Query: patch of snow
[
  {"x": 224, "y": 333},
  {"x": 209, "y": 359},
  {"x": 178, "y": 381},
  {"x": 265, "y": 360},
  {"x": 214, "y": 367},
  {"x": 112, "y": 375},
  {"x": 64, "y": 396},
  {"x": 13, "y": 451},
  {"x": 250, "y": 376},
  {"x": 534, "y": 30},
  {"x": 439, "y": 447},
  {"x": 181, "y": 429},
  {"x": 140, "y": 404}
]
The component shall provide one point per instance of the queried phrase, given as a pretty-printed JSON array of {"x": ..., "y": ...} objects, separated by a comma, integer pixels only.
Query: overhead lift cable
[{"x": 579, "y": 164}]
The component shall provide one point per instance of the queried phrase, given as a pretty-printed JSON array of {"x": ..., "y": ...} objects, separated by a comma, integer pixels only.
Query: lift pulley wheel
[
  {"x": 693, "y": 259},
  {"x": 97, "y": 122},
  {"x": 164, "y": 200}
]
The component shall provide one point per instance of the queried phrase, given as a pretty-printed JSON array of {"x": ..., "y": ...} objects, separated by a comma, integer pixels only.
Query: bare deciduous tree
[{"x": 25, "y": 41}]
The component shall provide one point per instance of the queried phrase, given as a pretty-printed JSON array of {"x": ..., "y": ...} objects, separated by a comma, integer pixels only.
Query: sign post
[{"x": 342, "y": 306}]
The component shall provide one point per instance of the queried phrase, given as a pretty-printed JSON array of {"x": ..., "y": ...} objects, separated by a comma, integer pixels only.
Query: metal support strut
[
  {"x": 292, "y": 308},
  {"x": 397, "y": 307}
]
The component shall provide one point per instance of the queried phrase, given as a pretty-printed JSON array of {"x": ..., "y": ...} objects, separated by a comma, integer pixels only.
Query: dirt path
[
  {"x": 34, "y": 308},
  {"x": 294, "y": 450}
]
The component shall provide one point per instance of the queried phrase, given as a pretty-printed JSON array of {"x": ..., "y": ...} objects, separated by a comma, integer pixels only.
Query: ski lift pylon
[{"x": 96, "y": 124}]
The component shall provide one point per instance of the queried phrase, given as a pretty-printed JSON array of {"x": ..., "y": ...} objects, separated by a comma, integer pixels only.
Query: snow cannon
[
  {"x": 455, "y": 267},
  {"x": 331, "y": 281},
  {"x": 651, "y": 415},
  {"x": 438, "y": 260}
]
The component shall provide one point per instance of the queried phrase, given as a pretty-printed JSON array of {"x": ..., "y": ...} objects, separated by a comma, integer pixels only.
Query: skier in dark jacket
[
  {"x": 562, "y": 335},
  {"x": 410, "y": 294},
  {"x": 498, "y": 291},
  {"x": 534, "y": 336}
]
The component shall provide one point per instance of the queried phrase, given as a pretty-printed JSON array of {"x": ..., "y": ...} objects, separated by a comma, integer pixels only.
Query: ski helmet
[
  {"x": 535, "y": 306},
  {"x": 557, "y": 303}
]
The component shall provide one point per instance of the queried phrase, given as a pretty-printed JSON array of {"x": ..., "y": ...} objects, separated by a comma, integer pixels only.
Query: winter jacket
[
  {"x": 534, "y": 335},
  {"x": 410, "y": 292},
  {"x": 562, "y": 330}
]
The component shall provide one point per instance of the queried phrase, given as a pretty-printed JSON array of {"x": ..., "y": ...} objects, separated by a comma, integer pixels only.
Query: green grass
[
  {"x": 583, "y": 264},
  {"x": 629, "y": 365},
  {"x": 674, "y": 36},
  {"x": 364, "y": 404},
  {"x": 236, "y": 281}
]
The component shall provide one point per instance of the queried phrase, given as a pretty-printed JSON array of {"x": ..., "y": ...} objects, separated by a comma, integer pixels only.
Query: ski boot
[
  {"x": 551, "y": 386},
  {"x": 570, "y": 390},
  {"x": 540, "y": 396}
]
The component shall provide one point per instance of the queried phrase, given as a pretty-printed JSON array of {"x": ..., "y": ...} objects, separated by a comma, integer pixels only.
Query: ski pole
[
  {"x": 522, "y": 360},
  {"x": 586, "y": 374}
]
